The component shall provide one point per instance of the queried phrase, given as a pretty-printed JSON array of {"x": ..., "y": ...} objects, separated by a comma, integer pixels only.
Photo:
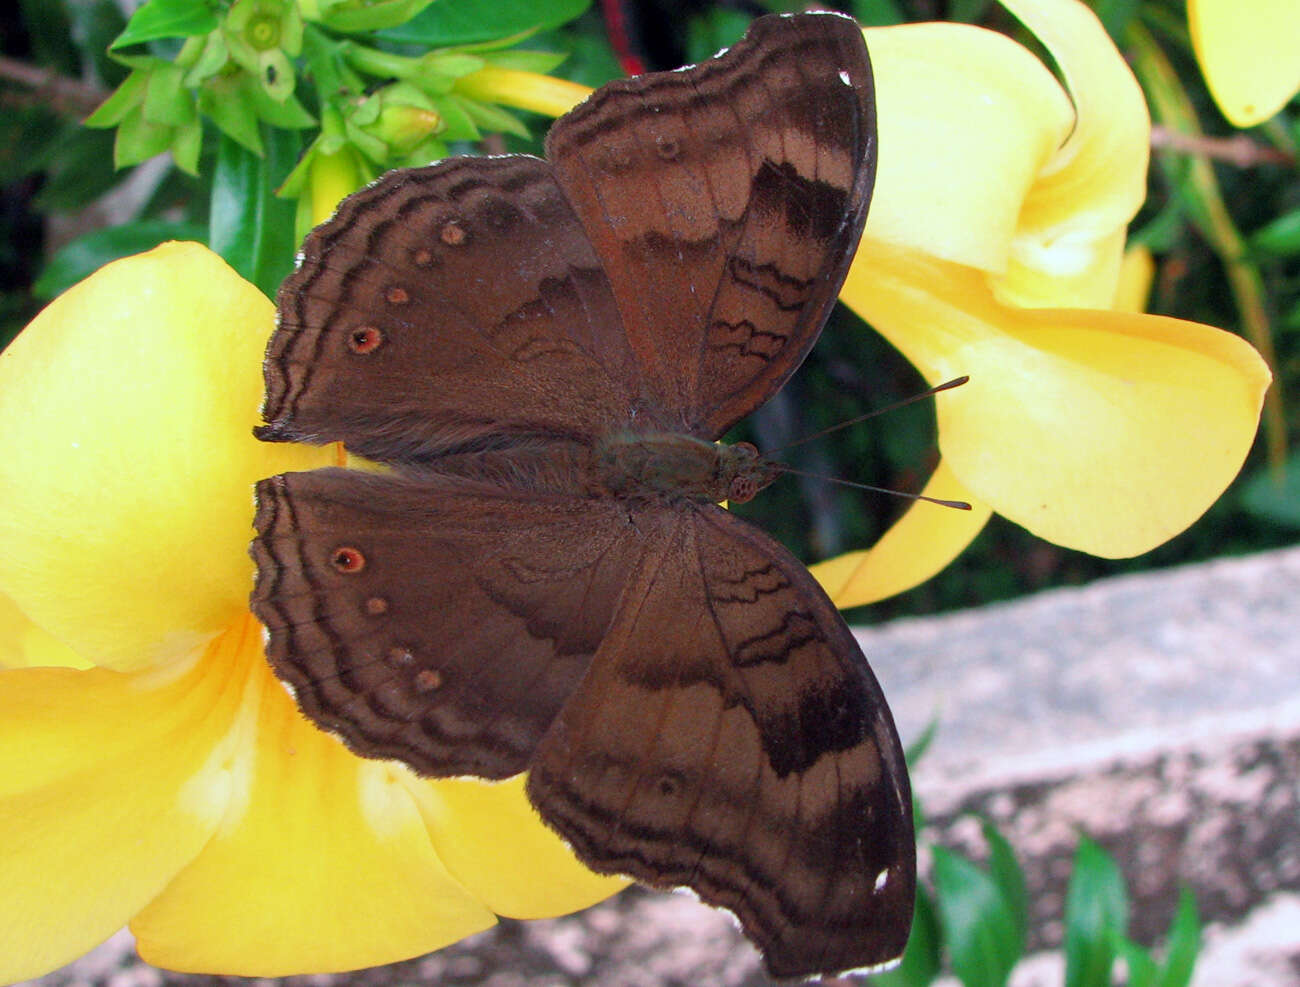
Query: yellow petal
[
  {"x": 95, "y": 767},
  {"x": 322, "y": 861},
  {"x": 1102, "y": 431},
  {"x": 127, "y": 460},
  {"x": 916, "y": 547},
  {"x": 497, "y": 846},
  {"x": 1135, "y": 276},
  {"x": 967, "y": 120},
  {"x": 24, "y": 645},
  {"x": 1070, "y": 236},
  {"x": 1249, "y": 51}
]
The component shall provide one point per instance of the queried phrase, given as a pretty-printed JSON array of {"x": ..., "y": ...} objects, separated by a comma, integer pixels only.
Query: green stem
[{"x": 383, "y": 64}]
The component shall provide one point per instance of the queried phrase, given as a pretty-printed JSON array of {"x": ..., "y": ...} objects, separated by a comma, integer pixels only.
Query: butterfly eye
[
  {"x": 742, "y": 489},
  {"x": 364, "y": 340},
  {"x": 347, "y": 560}
]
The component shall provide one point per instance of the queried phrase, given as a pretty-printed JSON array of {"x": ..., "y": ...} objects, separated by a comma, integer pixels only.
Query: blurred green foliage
[{"x": 244, "y": 94}]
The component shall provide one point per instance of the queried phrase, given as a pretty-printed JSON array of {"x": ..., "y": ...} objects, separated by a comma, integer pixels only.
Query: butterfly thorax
[{"x": 667, "y": 464}]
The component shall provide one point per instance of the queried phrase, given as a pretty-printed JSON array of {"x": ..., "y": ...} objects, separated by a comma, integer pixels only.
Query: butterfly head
[{"x": 745, "y": 472}]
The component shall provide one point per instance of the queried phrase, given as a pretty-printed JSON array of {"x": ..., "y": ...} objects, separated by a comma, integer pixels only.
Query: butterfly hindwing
[
  {"x": 729, "y": 737},
  {"x": 438, "y": 622}
]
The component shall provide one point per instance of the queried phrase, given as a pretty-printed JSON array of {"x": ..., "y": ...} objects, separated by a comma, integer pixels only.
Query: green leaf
[
  {"x": 1141, "y": 968},
  {"x": 249, "y": 226},
  {"x": 86, "y": 254},
  {"x": 921, "y": 960},
  {"x": 1115, "y": 16},
  {"x": 979, "y": 927},
  {"x": 288, "y": 113},
  {"x": 139, "y": 139},
  {"x": 877, "y": 13},
  {"x": 713, "y": 30},
  {"x": 1272, "y": 497},
  {"x": 166, "y": 19},
  {"x": 187, "y": 142},
  {"x": 917, "y": 748},
  {"x": 1280, "y": 238},
  {"x": 1005, "y": 871},
  {"x": 458, "y": 124},
  {"x": 493, "y": 118},
  {"x": 125, "y": 98},
  {"x": 373, "y": 16},
  {"x": 524, "y": 60},
  {"x": 228, "y": 103},
  {"x": 1184, "y": 944},
  {"x": 166, "y": 100},
  {"x": 459, "y": 22},
  {"x": 1096, "y": 915}
]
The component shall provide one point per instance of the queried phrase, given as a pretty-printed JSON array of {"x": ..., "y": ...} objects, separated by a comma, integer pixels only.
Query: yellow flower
[
  {"x": 993, "y": 248},
  {"x": 1249, "y": 51},
  {"x": 995, "y": 237},
  {"x": 175, "y": 784}
]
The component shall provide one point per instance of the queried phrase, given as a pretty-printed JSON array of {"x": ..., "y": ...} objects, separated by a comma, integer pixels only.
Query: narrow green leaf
[
  {"x": 917, "y": 748},
  {"x": 1184, "y": 944},
  {"x": 1280, "y": 237},
  {"x": 459, "y": 125},
  {"x": 921, "y": 960},
  {"x": 459, "y": 22},
  {"x": 86, "y": 254},
  {"x": 1140, "y": 967},
  {"x": 1005, "y": 870},
  {"x": 978, "y": 925},
  {"x": 1096, "y": 916},
  {"x": 494, "y": 118},
  {"x": 166, "y": 19},
  {"x": 249, "y": 226},
  {"x": 523, "y": 60}
]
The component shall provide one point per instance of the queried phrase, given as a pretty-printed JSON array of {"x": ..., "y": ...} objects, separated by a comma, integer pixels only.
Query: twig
[
  {"x": 60, "y": 93},
  {"x": 1239, "y": 149}
]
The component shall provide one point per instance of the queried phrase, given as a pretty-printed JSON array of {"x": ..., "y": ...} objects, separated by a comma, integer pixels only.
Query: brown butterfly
[{"x": 543, "y": 354}]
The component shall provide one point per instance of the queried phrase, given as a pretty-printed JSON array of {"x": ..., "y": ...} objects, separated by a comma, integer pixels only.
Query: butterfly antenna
[
  {"x": 960, "y": 505},
  {"x": 946, "y": 386}
]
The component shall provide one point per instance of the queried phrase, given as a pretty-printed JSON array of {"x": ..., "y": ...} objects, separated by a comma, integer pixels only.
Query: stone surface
[{"x": 1158, "y": 713}]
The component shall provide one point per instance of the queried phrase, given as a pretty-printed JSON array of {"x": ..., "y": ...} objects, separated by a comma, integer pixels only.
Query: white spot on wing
[
  {"x": 844, "y": 78},
  {"x": 881, "y": 880}
]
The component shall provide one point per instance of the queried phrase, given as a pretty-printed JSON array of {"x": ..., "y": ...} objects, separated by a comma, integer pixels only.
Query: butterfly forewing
[
  {"x": 725, "y": 201},
  {"x": 690, "y": 706},
  {"x": 445, "y": 306}
]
